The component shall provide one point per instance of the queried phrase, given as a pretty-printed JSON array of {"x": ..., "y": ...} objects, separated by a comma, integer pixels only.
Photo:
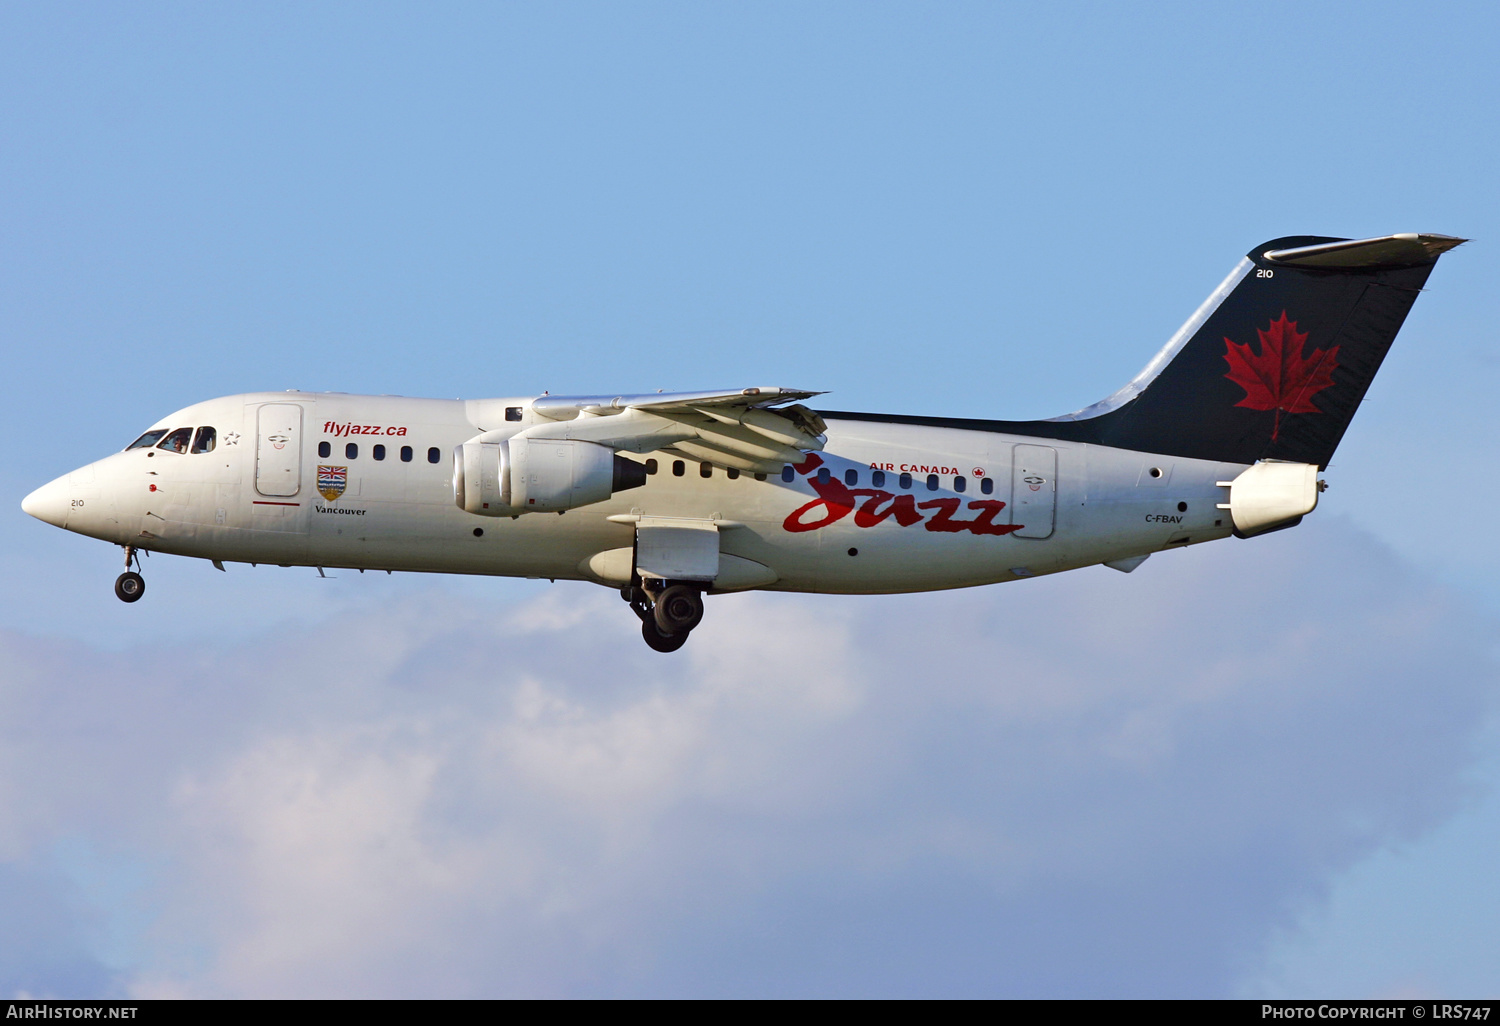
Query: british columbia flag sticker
[{"x": 331, "y": 481}]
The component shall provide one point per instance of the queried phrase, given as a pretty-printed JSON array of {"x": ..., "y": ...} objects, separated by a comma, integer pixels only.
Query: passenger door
[
  {"x": 1034, "y": 490},
  {"x": 278, "y": 449}
]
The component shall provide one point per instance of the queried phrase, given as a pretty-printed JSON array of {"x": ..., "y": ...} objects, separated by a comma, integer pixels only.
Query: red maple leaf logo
[{"x": 1279, "y": 377}]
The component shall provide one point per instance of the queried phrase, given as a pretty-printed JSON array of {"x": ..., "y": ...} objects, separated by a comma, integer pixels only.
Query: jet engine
[{"x": 536, "y": 475}]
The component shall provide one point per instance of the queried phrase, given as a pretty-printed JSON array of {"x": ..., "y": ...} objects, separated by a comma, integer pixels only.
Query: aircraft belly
[{"x": 420, "y": 537}]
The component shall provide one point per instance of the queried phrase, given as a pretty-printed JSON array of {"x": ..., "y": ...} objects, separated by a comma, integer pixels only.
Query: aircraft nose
[{"x": 50, "y": 503}]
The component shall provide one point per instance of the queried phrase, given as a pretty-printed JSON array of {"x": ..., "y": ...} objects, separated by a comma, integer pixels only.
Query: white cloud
[{"x": 1089, "y": 784}]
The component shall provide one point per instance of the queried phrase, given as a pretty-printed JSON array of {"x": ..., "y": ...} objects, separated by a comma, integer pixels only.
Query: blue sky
[{"x": 965, "y": 209}]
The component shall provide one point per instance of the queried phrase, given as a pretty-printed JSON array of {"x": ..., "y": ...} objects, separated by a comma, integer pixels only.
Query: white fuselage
[{"x": 1051, "y": 505}]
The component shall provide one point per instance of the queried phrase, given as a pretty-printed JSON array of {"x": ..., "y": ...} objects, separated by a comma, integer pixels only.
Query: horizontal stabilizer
[{"x": 1405, "y": 250}]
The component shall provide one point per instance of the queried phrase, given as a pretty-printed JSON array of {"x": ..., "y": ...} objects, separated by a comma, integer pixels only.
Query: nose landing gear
[
  {"x": 668, "y": 617},
  {"x": 130, "y": 586}
]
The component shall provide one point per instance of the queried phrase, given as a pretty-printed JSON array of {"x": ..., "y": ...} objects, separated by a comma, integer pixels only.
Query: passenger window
[
  {"x": 406, "y": 454},
  {"x": 678, "y": 468},
  {"x": 823, "y": 475},
  {"x": 351, "y": 451},
  {"x": 932, "y": 482},
  {"x": 705, "y": 470},
  {"x": 650, "y": 466},
  {"x": 324, "y": 450},
  {"x": 433, "y": 455},
  {"x": 760, "y": 477},
  {"x": 178, "y": 440},
  {"x": 731, "y": 473},
  {"x": 906, "y": 482},
  {"x": 851, "y": 477},
  {"x": 787, "y": 473},
  {"x": 205, "y": 440},
  {"x": 512, "y": 413},
  {"x": 987, "y": 486},
  {"x": 147, "y": 440},
  {"x": 378, "y": 452},
  {"x": 959, "y": 484},
  {"x": 878, "y": 479}
]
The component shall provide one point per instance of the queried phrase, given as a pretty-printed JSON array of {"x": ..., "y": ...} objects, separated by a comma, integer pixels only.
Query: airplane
[{"x": 669, "y": 497}]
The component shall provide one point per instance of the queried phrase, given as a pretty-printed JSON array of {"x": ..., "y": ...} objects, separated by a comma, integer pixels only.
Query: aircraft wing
[
  {"x": 749, "y": 429},
  {"x": 565, "y": 407}
]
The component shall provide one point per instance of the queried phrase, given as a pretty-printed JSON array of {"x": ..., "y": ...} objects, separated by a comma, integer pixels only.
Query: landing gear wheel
[
  {"x": 659, "y": 641},
  {"x": 679, "y": 609},
  {"x": 130, "y": 586}
]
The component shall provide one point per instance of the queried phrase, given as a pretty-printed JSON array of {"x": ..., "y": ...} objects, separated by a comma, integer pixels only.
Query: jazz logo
[{"x": 872, "y": 506}]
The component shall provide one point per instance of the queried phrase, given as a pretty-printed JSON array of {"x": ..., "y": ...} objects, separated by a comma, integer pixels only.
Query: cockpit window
[
  {"x": 178, "y": 440},
  {"x": 205, "y": 440},
  {"x": 147, "y": 440}
]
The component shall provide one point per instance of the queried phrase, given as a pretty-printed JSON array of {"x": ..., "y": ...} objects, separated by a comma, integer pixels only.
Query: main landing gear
[
  {"x": 668, "y": 614},
  {"x": 130, "y": 586}
]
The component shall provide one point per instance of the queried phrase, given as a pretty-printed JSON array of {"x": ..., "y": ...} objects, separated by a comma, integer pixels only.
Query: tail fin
[{"x": 1276, "y": 361}]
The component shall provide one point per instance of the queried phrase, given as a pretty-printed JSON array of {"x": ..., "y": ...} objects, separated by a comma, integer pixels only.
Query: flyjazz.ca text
[{"x": 333, "y": 427}]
